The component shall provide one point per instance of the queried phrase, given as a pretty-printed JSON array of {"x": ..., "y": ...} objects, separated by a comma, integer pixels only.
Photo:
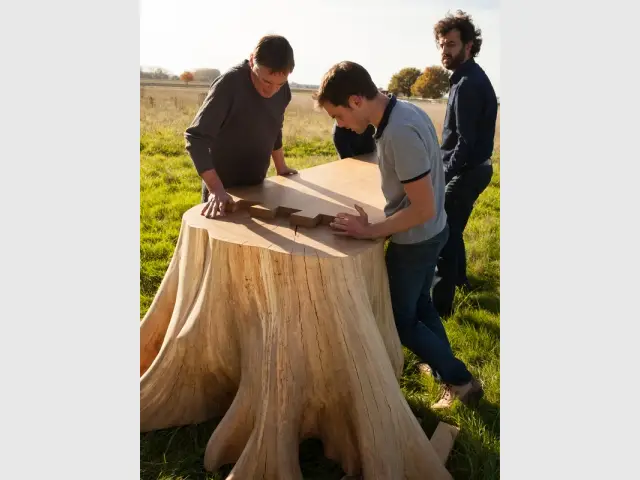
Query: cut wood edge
[
  {"x": 260, "y": 211},
  {"x": 240, "y": 204},
  {"x": 443, "y": 439},
  {"x": 305, "y": 218}
]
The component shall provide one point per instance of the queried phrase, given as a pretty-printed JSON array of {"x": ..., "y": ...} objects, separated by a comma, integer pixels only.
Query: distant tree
[
  {"x": 433, "y": 83},
  {"x": 186, "y": 77},
  {"x": 402, "y": 81},
  {"x": 160, "y": 74},
  {"x": 206, "y": 74}
]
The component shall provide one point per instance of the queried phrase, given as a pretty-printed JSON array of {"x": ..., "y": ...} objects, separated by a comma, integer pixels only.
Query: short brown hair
[
  {"x": 460, "y": 21},
  {"x": 275, "y": 53},
  {"x": 343, "y": 80}
]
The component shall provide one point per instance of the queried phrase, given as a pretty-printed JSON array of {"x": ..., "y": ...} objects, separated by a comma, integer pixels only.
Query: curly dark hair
[{"x": 460, "y": 21}]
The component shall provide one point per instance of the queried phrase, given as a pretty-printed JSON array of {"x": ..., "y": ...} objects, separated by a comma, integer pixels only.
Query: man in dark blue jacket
[
  {"x": 350, "y": 144},
  {"x": 467, "y": 146}
]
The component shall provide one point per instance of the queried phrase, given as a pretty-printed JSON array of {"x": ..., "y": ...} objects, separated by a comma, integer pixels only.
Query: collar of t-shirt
[{"x": 385, "y": 116}]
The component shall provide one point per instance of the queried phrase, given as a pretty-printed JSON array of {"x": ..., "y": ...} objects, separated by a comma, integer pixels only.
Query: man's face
[
  {"x": 350, "y": 117},
  {"x": 266, "y": 82},
  {"x": 452, "y": 51}
]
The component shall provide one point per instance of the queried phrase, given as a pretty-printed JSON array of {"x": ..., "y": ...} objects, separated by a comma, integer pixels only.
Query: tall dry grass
[{"x": 173, "y": 108}]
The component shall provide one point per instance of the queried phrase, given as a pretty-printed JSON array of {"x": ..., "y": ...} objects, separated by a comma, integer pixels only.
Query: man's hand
[
  {"x": 280, "y": 164},
  {"x": 286, "y": 171},
  {"x": 218, "y": 204},
  {"x": 356, "y": 226}
]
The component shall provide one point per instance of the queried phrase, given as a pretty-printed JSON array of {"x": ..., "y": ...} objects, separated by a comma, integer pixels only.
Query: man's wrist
[
  {"x": 211, "y": 180},
  {"x": 281, "y": 167},
  {"x": 371, "y": 232},
  {"x": 279, "y": 163}
]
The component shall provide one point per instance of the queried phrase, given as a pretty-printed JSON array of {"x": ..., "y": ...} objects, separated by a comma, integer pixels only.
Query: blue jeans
[
  {"x": 411, "y": 269},
  {"x": 460, "y": 196}
]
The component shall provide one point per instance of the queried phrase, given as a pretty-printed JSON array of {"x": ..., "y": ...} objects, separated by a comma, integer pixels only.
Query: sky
[{"x": 382, "y": 36}]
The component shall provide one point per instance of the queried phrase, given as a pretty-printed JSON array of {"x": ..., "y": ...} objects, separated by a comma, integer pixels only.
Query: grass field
[{"x": 169, "y": 186}]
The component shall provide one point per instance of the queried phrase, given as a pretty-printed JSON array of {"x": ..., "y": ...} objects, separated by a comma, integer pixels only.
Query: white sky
[{"x": 383, "y": 36}]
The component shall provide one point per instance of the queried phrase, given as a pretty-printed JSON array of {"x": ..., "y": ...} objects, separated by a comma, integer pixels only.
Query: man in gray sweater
[{"x": 239, "y": 125}]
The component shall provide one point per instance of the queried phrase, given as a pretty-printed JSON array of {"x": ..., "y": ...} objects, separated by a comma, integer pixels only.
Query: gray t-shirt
[
  {"x": 236, "y": 129},
  {"x": 408, "y": 149}
]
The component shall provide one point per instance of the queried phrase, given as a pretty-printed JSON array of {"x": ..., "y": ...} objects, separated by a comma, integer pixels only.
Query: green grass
[{"x": 169, "y": 186}]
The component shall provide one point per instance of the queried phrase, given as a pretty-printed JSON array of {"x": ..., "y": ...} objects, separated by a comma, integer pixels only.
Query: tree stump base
[{"x": 288, "y": 333}]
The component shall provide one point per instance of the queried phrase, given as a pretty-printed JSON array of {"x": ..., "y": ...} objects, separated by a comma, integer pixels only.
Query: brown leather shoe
[
  {"x": 425, "y": 369},
  {"x": 469, "y": 394}
]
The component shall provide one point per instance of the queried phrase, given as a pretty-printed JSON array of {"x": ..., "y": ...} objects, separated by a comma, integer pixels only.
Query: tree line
[
  {"x": 431, "y": 83},
  {"x": 207, "y": 75}
]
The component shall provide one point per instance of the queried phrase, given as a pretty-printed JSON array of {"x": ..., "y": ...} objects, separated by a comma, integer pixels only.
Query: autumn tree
[
  {"x": 186, "y": 77},
  {"x": 433, "y": 83},
  {"x": 402, "y": 81}
]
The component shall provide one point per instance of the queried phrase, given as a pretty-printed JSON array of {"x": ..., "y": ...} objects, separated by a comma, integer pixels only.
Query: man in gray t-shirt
[
  {"x": 239, "y": 125},
  {"x": 412, "y": 175},
  {"x": 408, "y": 151}
]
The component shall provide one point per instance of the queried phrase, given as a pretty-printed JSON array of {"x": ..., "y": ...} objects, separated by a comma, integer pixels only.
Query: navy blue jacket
[
  {"x": 470, "y": 121},
  {"x": 350, "y": 144}
]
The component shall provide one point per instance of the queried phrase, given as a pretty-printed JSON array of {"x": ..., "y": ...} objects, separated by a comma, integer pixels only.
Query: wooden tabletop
[
  {"x": 290, "y": 214},
  {"x": 316, "y": 195}
]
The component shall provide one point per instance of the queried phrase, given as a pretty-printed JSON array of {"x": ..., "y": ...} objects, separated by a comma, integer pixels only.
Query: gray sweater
[{"x": 236, "y": 129}]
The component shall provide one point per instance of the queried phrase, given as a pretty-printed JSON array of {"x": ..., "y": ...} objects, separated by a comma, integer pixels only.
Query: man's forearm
[
  {"x": 400, "y": 221},
  {"x": 278, "y": 159},
  {"x": 456, "y": 162},
  {"x": 212, "y": 180},
  {"x": 197, "y": 144}
]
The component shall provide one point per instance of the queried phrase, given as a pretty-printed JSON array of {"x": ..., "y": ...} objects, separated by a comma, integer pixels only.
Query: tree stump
[{"x": 286, "y": 332}]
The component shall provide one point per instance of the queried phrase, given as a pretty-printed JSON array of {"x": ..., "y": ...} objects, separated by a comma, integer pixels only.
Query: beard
[{"x": 451, "y": 63}]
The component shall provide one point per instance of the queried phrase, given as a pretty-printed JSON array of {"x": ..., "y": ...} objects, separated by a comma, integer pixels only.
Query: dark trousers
[
  {"x": 410, "y": 269},
  {"x": 460, "y": 196}
]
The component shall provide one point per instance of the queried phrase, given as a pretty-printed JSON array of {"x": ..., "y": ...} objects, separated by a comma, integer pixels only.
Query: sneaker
[
  {"x": 469, "y": 394},
  {"x": 425, "y": 369}
]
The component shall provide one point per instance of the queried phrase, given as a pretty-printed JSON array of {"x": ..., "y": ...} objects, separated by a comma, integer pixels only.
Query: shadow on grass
[
  {"x": 484, "y": 295},
  {"x": 468, "y": 318},
  {"x": 483, "y": 283},
  {"x": 178, "y": 454}
]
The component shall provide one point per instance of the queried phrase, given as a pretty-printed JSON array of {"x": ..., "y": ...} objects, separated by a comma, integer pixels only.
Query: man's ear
[
  {"x": 355, "y": 101},
  {"x": 251, "y": 61}
]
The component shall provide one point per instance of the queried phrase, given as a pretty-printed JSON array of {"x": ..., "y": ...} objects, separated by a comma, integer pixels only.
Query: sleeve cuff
[{"x": 422, "y": 175}]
